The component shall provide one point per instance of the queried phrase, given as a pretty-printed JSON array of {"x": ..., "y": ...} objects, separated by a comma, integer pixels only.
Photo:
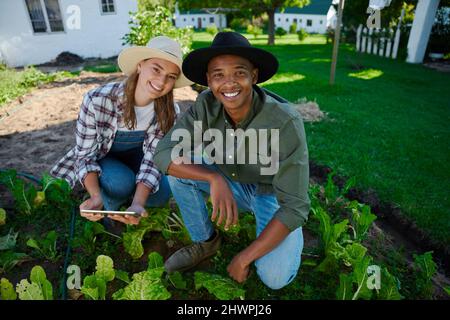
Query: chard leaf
[
  {"x": 105, "y": 268},
  {"x": 23, "y": 195},
  {"x": 33, "y": 244},
  {"x": 9, "y": 260},
  {"x": 122, "y": 275},
  {"x": 155, "y": 260},
  {"x": 146, "y": 285},
  {"x": 222, "y": 288},
  {"x": 389, "y": 287},
  {"x": 39, "y": 277},
  {"x": 94, "y": 287},
  {"x": 29, "y": 291},
  {"x": 176, "y": 279},
  {"x": 345, "y": 291},
  {"x": 9, "y": 241},
  {"x": 132, "y": 242},
  {"x": 7, "y": 290}
]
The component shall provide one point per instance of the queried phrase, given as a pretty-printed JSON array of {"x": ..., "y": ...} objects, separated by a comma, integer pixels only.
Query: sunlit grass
[{"x": 367, "y": 74}]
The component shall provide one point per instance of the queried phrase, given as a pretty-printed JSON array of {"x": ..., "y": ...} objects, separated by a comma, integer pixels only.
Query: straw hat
[{"x": 160, "y": 47}]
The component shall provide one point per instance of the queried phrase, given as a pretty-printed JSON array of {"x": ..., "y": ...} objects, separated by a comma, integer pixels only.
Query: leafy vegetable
[
  {"x": 9, "y": 259},
  {"x": 105, "y": 268},
  {"x": 94, "y": 286},
  {"x": 176, "y": 279},
  {"x": 46, "y": 246},
  {"x": 7, "y": 290},
  {"x": 222, "y": 288},
  {"x": 132, "y": 242},
  {"x": 426, "y": 268},
  {"x": 155, "y": 261},
  {"x": 23, "y": 195},
  {"x": 8, "y": 241},
  {"x": 39, "y": 288},
  {"x": 146, "y": 285},
  {"x": 362, "y": 219}
]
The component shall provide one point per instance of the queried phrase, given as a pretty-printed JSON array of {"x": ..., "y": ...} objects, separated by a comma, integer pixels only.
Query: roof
[
  {"x": 319, "y": 7},
  {"x": 195, "y": 11}
]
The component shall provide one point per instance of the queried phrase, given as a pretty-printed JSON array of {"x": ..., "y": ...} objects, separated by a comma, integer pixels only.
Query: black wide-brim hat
[{"x": 195, "y": 65}]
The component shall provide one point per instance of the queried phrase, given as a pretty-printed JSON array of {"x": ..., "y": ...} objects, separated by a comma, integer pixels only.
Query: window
[
  {"x": 287, "y": 19},
  {"x": 204, "y": 19},
  {"x": 301, "y": 20},
  {"x": 45, "y": 15},
  {"x": 309, "y": 23},
  {"x": 279, "y": 19},
  {"x": 321, "y": 21},
  {"x": 108, "y": 6},
  {"x": 184, "y": 19},
  {"x": 295, "y": 20},
  {"x": 193, "y": 20},
  {"x": 211, "y": 19}
]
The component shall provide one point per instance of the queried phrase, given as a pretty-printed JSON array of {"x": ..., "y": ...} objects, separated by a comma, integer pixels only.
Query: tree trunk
[{"x": 271, "y": 13}]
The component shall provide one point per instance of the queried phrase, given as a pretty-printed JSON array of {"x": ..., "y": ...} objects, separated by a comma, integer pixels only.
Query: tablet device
[{"x": 108, "y": 212}]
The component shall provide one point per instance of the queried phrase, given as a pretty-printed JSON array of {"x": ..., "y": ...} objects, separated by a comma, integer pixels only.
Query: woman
[{"x": 117, "y": 131}]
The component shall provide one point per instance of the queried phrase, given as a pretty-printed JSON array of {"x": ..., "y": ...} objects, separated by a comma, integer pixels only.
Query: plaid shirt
[{"x": 100, "y": 114}]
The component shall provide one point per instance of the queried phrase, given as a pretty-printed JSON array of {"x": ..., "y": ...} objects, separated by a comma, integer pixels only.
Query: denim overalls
[{"x": 119, "y": 169}]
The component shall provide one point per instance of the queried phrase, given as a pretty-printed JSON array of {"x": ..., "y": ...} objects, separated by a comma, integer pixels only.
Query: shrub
[
  {"x": 212, "y": 29},
  {"x": 148, "y": 24},
  {"x": 254, "y": 30},
  {"x": 293, "y": 28},
  {"x": 302, "y": 34},
  {"x": 280, "y": 32}
]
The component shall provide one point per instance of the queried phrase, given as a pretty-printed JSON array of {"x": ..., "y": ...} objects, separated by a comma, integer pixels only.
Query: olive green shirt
[{"x": 268, "y": 111}]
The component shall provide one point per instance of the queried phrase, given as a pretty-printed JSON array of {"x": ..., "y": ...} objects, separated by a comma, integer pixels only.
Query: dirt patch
[
  {"x": 309, "y": 110},
  {"x": 38, "y": 128}
]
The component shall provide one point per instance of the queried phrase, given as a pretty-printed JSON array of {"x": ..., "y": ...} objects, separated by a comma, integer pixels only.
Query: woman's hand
[
  {"x": 93, "y": 203},
  {"x": 223, "y": 202},
  {"x": 131, "y": 219}
]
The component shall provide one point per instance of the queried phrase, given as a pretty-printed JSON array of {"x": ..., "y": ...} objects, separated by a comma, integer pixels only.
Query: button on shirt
[{"x": 268, "y": 111}]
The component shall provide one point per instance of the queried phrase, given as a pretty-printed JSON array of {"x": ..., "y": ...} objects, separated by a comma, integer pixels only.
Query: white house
[
  {"x": 36, "y": 31},
  {"x": 314, "y": 18},
  {"x": 199, "y": 19}
]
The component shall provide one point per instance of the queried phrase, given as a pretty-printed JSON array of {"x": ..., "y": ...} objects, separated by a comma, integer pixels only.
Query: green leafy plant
[
  {"x": 9, "y": 259},
  {"x": 88, "y": 238},
  {"x": 222, "y": 288},
  {"x": 302, "y": 34},
  {"x": 212, "y": 29},
  {"x": 280, "y": 32},
  {"x": 362, "y": 219},
  {"x": 94, "y": 286},
  {"x": 293, "y": 28},
  {"x": 39, "y": 288},
  {"x": 7, "y": 290},
  {"x": 9, "y": 241},
  {"x": 254, "y": 30},
  {"x": 23, "y": 194},
  {"x": 153, "y": 22},
  {"x": 46, "y": 246},
  {"x": 146, "y": 285},
  {"x": 425, "y": 269}
]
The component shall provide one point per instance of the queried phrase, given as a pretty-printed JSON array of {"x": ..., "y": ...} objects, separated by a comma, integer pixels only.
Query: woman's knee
[{"x": 117, "y": 180}]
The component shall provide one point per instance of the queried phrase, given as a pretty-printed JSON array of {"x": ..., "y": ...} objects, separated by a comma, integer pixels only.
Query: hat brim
[
  {"x": 130, "y": 57},
  {"x": 195, "y": 65}
]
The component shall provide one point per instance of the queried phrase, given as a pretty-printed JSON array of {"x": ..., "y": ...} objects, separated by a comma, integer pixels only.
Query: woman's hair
[{"x": 164, "y": 106}]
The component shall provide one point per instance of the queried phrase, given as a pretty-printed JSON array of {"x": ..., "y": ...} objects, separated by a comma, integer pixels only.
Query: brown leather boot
[{"x": 189, "y": 256}]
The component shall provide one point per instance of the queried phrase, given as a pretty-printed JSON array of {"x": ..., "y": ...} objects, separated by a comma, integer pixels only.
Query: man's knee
[{"x": 275, "y": 277}]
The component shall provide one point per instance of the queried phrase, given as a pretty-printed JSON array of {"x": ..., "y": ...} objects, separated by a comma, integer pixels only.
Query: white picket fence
[{"x": 379, "y": 42}]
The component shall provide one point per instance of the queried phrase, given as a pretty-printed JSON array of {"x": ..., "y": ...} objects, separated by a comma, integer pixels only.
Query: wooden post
[{"x": 337, "y": 35}]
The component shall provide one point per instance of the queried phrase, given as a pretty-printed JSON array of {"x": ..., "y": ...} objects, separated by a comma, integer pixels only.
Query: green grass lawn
[{"x": 388, "y": 124}]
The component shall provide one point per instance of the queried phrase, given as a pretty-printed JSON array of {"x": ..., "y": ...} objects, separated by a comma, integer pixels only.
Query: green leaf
[
  {"x": 222, "y": 288},
  {"x": 345, "y": 290},
  {"x": 155, "y": 260},
  {"x": 360, "y": 277},
  {"x": 29, "y": 291},
  {"x": 105, "y": 268},
  {"x": 132, "y": 242},
  {"x": 354, "y": 253},
  {"x": 9, "y": 260},
  {"x": 447, "y": 290},
  {"x": 39, "y": 277},
  {"x": 122, "y": 275},
  {"x": 33, "y": 244},
  {"x": 425, "y": 264},
  {"x": 2, "y": 216},
  {"x": 146, "y": 285},
  {"x": 389, "y": 289},
  {"x": 7, "y": 290},
  {"x": 94, "y": 287},
  {"x": 23, "y": 194},
  {"x": 9, "y": 241},
  {"x": 176, "y": 279},
  {"x": 362, "y": 219}
]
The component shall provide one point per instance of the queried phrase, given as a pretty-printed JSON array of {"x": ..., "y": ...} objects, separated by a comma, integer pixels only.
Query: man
[{"x": 278, "y": 197}]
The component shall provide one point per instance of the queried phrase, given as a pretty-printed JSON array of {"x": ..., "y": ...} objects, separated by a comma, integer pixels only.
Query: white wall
[
  {"x": 184, "y": 20},
  {"x": 99, "y": 34},
  {"x": 317, "y": 26}
]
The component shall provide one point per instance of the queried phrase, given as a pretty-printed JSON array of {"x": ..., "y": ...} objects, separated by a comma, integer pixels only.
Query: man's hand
[
  {"x": 131, "y": 219},
  {"x": 93, "y": 203},
  {"x": 238, "y": 268},
  {"x": 223, "y": 202}
]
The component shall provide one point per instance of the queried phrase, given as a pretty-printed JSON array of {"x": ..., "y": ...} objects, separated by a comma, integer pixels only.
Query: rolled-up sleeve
[
  {"x": 292, "y": 179},
  {"x": 86, "y": 141}
]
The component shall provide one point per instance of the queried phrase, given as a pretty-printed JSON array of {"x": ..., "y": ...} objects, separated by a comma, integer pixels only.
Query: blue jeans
[
  {"x": 278, "y": 267},
  {"x": 119, "y": 169}
]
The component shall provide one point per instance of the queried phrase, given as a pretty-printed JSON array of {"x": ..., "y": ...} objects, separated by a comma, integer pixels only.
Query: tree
[
  {"x": 148, "y": 5},
  {"x": 257, "y": 7}
]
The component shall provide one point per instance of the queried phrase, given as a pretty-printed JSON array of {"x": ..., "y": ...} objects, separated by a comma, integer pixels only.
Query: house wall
[
  {"x": 184, "y": 20},
  {"x": 319, "y": 22},
  {"x": 99, "y": 34}
]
